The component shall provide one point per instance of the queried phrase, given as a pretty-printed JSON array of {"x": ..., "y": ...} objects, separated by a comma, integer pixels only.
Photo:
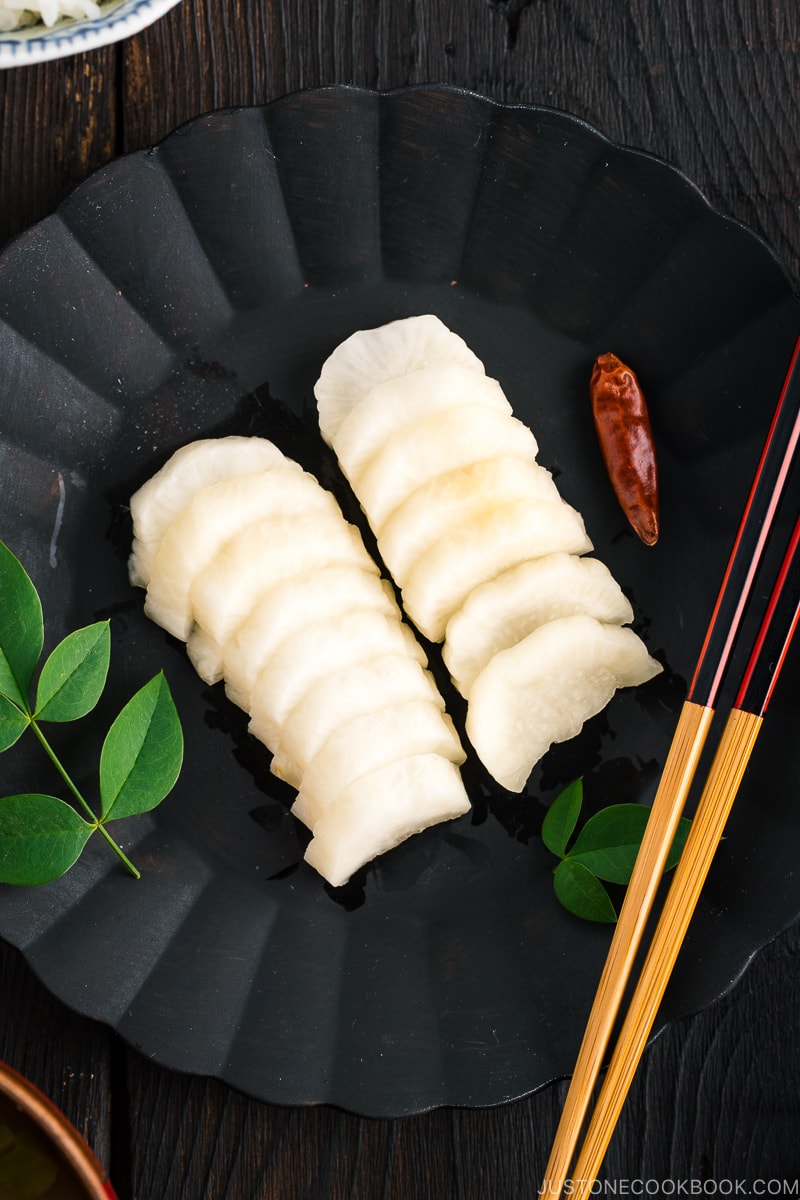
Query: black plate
[{"x": 196, "y": 289}]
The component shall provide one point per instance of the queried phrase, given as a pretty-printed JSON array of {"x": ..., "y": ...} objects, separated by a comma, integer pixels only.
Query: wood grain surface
[{"x": 714, "y": 88}]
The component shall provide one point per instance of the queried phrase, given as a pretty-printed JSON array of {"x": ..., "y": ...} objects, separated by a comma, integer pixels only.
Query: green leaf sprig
[
  {"x": 604, "y": 850},
  {"x": 42, "y": 836}
]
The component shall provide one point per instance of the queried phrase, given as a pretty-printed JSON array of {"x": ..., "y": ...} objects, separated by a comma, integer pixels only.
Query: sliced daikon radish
[
  {"x": 382, "y": 809},
  {"x": 309, "y": 654},
  {"x": 225, "y": 592},
  {"x": 353, "y": 691},
  {"x": 167, "y": 493},
  {"x": 398, "y": 402},
  {"x": 325, "y": 589},
  {"x": 506, "y": 609},
  {"x": 448, "y": 500},
  {"x": 433, "y": 445},
  {"x": 480, "y": 549},
  {"x": 542, "y": 689},
  {"x": 366, "y": 743},
  {"x": 211, "y": 519},
  {"x": 371, "y": 356}
]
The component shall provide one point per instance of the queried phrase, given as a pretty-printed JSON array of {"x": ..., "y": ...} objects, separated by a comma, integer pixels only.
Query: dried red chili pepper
[{"x": 626, "y": 440}]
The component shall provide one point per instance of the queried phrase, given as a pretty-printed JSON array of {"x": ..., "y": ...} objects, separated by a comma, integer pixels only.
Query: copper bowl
[{"x": 42, "y": 1156}]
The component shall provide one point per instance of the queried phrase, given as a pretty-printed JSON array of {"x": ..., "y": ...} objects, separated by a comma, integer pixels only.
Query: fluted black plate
[{"x": 196, "y": 289}]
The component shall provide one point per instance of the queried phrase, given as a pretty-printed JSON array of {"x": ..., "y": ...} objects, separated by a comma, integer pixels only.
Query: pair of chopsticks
[{"x": 725, "y": 775}]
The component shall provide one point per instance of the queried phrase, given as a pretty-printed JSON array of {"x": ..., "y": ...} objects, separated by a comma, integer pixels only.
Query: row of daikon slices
[
  {"x": 249, "y": 560},
  {"x": 486, "y": 553}
]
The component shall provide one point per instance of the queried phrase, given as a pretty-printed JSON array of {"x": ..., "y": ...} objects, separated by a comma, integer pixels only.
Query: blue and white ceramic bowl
[{"x": 118, "y": 19}]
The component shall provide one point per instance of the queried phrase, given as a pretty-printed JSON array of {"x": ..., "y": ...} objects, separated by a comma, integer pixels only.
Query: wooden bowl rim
[{"x": 60, "y": 1131}]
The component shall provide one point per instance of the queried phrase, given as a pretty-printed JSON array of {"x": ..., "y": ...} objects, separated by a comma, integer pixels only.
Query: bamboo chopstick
[
  {"x": 673, "y": 789},
  {"x": 727, "y": 769},
  {"x": 681, "y": 764}
]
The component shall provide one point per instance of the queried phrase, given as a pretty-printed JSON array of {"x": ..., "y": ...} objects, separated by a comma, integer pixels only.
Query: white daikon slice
[
  {"x": 382, "y": 809},
  {"x": 544, "y": 688},
  {"x": 210, "y": 520},
  {"x": 310, "y": 653},
  {"x": 371, "y": 741},
  {"x": 353, "y": 691},
  {"x": 506, "y": 609},
  {"x": 371, "y": 356},
  {"x": 167, "y": 493},
  {"x": 321, "y": 590},
  {"x": 450, "y": 499},
  {"x": 398, "y": 402},
  {"x": 205, "y": 655},
  {"x": 225, "y": 592},
  {"x": 433, "y": 445},
  {"x": 480, "y": 549}
]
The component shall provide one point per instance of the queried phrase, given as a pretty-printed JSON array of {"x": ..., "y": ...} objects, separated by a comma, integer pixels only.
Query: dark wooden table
[{"x": 713, "y": 87}]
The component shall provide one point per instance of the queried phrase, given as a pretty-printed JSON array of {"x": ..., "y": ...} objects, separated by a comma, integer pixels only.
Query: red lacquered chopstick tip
[
  {"x": 751, "y": 539},
  {"x": 775, "y": 634}
]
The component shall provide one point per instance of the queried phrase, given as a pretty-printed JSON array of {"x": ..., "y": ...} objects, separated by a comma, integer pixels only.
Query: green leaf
[
  {"x": 21, "y": 628},
  {"x": 13, "y": 722},
  {"x": 142, "y": 754},
  {"x": 73, "y": 678},
  {"x": 582, "y": 893},
  {"x": 610, "y": 840},
  {"x": 562, "y": 817},
  {"x": 40, "y": 838}
]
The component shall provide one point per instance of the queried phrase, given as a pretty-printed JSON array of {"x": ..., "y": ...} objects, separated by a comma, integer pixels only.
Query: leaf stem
[
  {"x": 118, "y": 850},
  {"x": 51, "y": 754}
]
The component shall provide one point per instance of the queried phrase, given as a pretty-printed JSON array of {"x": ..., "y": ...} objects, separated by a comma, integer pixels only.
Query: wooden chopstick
[
  {"x": 683, "y": 756},
  {"x": 673, "y": 789},
  {"x": 733, "y": 753}
]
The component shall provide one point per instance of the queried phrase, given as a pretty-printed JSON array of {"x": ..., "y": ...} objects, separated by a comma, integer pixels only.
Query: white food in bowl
[
  {"x": 38, "y": 42},
  {"x": 17, "y": 16}
]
